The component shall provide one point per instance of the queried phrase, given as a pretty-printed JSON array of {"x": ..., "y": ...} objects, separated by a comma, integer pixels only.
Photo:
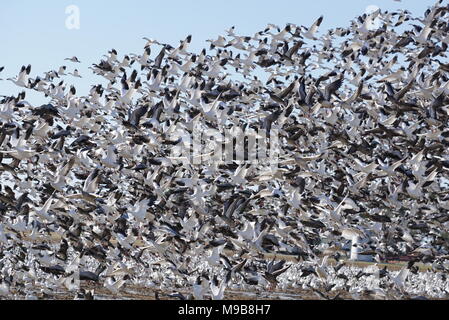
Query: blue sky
[{"x": 34, "y": 32}]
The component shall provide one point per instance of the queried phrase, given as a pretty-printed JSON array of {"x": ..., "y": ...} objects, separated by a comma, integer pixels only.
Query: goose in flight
[
  {"x": 200, "y": 287},
  {"x": 73, "y": 59},
  {"x": 140, "y": 211},
  {"x": 75, "y": 74},
  {"x": 365, "y": 24},
  {"x": 43, "y": 212},
  {"x": 22, "y": 79},
  {"x": 274, "y": 270},
  {"x": 21, "y": 150},
  {"x": 150, "y": 42},
  {"x": 310, "y": 34},
  {"x": 217, "y": 289}
]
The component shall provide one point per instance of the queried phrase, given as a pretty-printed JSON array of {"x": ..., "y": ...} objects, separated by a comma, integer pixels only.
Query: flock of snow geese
[{"x": 90, "y": 193}]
